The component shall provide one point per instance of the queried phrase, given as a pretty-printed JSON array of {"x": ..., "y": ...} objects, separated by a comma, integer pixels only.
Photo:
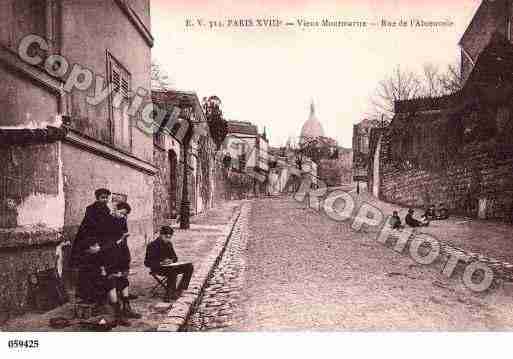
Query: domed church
[{"x": 312, "y": 128}]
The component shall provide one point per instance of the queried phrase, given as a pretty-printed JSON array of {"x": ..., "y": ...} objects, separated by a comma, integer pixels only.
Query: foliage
[
  {"x": 205, "y": 157},
  {"x": 217, "y": 124},
  {"x": 319, "y": 148}
]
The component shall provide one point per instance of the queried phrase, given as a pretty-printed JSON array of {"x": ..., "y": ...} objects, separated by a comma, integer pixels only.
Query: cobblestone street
[{"x": 290, "y": 268}]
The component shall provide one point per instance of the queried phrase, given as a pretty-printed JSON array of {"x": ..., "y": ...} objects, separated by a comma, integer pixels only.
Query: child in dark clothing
[
  {"x": 395, "y": 221},
  {"x": 116, "y": 257}
]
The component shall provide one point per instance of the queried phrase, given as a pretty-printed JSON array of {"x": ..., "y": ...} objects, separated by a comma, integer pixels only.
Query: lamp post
[{"x": 186, "y": 108}]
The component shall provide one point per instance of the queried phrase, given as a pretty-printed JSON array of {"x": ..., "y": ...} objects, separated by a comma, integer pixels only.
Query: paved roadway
[{"x": 288, "y": 268}]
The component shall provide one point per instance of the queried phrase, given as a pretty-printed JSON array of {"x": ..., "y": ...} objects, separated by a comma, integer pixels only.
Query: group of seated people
[
  {"x": 430, "y": 214},
  {"x": 102, "y": 257}
]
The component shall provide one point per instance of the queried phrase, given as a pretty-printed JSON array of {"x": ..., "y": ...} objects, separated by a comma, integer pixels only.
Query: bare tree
[
  {"x": 431, "y": 81},
  {"x": 406, "y": 85},
  {"x": 437, "y": 83},
  {"x": 401, "y": 85},
  {"x": 452, "y": 80},
  {"x": 159, "y": 77}
]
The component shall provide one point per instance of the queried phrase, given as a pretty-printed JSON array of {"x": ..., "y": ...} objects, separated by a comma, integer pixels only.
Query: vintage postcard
[{"x": 229, "y": 166}]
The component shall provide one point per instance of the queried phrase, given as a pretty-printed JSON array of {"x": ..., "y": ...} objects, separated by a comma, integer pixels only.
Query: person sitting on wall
[
  {"x": 162, "y": 260},
  {"x": 412, "y": 222},
  {"x": 443, "y": 212},
  {"x": 395, "y": 221},
  {"x": 430, "y": 214}
]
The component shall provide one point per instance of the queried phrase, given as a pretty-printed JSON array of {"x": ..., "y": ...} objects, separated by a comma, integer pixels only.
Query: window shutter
[{"x": 120, "y": 82}]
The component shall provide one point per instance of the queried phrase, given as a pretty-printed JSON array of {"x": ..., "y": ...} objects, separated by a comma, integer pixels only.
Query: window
[
  {"x": 242, "y": 162},
  {"x": 503, "y": 120},
  {"x": 119, "y": 79}
]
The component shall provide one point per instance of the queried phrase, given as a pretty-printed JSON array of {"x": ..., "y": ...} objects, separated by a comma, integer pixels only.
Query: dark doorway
[{"x": 173, "y": 173}]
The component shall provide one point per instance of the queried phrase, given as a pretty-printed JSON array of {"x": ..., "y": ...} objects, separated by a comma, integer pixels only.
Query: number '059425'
[{"x": 23, "y": 344}]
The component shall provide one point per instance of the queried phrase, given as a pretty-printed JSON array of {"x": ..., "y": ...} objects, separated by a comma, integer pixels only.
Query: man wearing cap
[
  {"x": 84, "y": 254},
  {"x": 161, "y": 258},
  {"x": 412, "y": 222}
]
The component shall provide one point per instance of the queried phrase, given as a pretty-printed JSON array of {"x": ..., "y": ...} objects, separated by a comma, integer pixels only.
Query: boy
[{"x": 116, "y": 261}]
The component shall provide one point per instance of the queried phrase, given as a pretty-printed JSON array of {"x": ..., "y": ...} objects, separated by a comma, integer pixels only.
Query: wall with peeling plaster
[
  {"x": 85, "y": 172},
  {"x": 31, "y": 181}
]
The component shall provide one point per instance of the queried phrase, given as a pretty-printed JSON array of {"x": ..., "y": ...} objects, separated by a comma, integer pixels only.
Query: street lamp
[{"x": 186, "y": 108}]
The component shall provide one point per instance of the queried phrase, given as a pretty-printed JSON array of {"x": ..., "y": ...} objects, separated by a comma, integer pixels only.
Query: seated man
[
  {"x": 395, "y": 221},
  {"x": 412, "y": 222},
  {"x": 161, "y": 259},
  {"x": 430, "y": 213},
  {"x": 443, "y": 212}
]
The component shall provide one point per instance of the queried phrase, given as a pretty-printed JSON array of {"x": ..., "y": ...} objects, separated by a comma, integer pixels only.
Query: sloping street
[{"x": 291, "y": 268}]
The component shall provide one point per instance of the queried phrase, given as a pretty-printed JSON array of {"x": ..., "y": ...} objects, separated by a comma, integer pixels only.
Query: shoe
[
  {"x": 119, "y": 318},
  {"x": 121, "y": 321},
  {"x": 128, "y": 312},
  {"x": 169, "y": 298}
]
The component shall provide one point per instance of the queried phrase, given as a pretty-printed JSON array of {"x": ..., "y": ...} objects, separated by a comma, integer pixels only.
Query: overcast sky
[{"x": 269, "y": 75}]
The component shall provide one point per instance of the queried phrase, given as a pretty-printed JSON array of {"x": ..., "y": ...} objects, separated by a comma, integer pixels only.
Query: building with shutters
[
  {"x": 169, "y": 160},
  {"x": 60, "y": 143}
]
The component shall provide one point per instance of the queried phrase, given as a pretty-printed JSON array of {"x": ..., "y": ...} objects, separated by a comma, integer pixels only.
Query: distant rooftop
[{"x": 242, "y": 127}]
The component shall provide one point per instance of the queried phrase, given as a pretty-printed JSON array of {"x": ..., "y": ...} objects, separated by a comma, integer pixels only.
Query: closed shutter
[{"x": 120, "y": 82}]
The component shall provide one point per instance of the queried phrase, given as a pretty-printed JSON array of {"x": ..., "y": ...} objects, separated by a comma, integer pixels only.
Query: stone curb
[{"x": 181, "y": 309}]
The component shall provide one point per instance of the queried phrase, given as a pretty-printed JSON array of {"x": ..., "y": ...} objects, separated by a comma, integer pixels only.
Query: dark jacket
[
  {"x": 93, "y": 229},
  {"x": 395, "y": 222},
  {"x": 115, "y": 257},
  {"x": 156, "y": 252},
  {"x": 429, "y": 214},
  {"x": 412, "y": 222}
]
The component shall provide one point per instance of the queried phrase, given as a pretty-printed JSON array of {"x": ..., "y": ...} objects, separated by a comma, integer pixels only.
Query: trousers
[{"x": 172, "y": 273}]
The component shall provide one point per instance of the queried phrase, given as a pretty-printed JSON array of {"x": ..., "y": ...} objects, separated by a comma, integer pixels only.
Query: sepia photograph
[{"x": 228, "y": 167}]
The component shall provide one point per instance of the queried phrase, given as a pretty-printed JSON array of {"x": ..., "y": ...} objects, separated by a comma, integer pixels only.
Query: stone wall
[
  {"x": 481, "y": 173},
  {"x": 23, "y": 252},
  {"x": 31, "y": 186}
]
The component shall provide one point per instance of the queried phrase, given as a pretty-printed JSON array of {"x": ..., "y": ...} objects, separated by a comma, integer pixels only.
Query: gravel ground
[{"x": 291, "y": 268}]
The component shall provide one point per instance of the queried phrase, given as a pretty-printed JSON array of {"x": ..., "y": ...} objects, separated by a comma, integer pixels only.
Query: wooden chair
[{"x": 161, "y": 283}]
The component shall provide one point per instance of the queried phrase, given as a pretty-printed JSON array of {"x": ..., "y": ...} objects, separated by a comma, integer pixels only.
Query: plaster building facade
[{"x": 59, "y": 147}]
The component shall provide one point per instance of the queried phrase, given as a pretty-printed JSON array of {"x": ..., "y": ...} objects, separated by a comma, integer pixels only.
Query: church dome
[{"x": 311, "y": 128}]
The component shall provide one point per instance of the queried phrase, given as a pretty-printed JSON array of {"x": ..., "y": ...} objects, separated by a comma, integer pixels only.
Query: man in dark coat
[
  {"x": 160, "y": 256},
  {"x": 412, "y": 222}
]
